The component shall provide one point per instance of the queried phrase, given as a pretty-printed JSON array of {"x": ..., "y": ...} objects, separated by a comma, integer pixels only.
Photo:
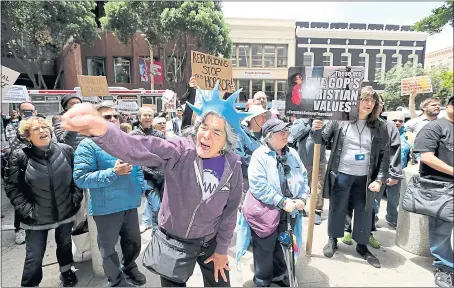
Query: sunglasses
[
  {"x": 109, "y": 117},
  {"x": 400, "y": 121},
  {"x": 161, "y": 123},
  {"x": 179, "y": 110}
]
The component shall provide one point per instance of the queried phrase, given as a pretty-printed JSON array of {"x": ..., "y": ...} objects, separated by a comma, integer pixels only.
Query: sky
[{"x": 399, "y": 13}]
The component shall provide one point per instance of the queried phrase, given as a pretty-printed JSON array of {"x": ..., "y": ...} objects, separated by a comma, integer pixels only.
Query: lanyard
[
  {"x": 199, "y": 177},
  {"x": 360, "y": 133}
]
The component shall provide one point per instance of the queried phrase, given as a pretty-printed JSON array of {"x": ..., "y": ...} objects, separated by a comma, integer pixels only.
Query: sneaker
[
  {"x": 373, "y": 242},
  {"x": 318, "y": 218},
  {"x": 394, "y": 225},
  {"x": 443, "y": 279},
  {"x": 68, "y": 278},
  {"x": 330, "y": 248},
  {"x": 135, "y": 277},
  {"x": 347, "y": 239},
  {"x": 368, "y": 256},
  {"x": 20, "y": 236},
  {"x": 143, "y": 228}
]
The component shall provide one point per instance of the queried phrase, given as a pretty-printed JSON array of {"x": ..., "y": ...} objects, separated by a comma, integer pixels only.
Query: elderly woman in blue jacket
[
  {"x": 278, "y": 179},
  {"x": 115, "y": 189}
]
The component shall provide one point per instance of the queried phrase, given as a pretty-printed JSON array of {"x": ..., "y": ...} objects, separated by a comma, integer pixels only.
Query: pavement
[{"x": 346, "y": 268}]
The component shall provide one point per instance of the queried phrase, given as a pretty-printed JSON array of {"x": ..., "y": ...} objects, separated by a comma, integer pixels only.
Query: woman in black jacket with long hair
[{"x": 40, "y": 186}]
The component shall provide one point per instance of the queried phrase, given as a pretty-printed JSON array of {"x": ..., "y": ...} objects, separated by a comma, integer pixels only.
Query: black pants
[
  {"x": 346, "y": 186},
  {"x": 349, "y": 218},
  {"x": 124, "y": 224},
  {"x": 207, "y": 270},
  {"x": 269, "y": 261},
  {"x": 17, "y": 220},
  {"x": 35, "y": 247}
]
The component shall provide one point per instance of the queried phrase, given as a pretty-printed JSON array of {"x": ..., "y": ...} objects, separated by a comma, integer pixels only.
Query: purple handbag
[{"x": 262, "y": 218}]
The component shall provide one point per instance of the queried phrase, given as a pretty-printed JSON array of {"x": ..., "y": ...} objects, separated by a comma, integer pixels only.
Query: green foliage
[
  {"x": 38, "y": 31},
  {"x": 188, "y": 25},
  {"x": 435, "y": 22},
  {"x": 441, "y": 83}
]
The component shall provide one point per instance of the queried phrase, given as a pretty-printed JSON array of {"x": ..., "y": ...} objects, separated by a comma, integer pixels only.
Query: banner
[
  {"x": 93, "y": 86},
  {"x": 324, "y": 92},
  {"x": 207, "y": 69},
  {"x": 145, "y": 71},
  {"x": 9, "y": 76},
  {"x": 420, "y": 84}
]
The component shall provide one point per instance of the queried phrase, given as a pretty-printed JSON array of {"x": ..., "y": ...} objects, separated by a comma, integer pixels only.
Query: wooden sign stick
[{"x": 314, "y": 187}]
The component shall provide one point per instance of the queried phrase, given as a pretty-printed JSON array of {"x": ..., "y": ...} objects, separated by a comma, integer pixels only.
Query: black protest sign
[
  {"x": 324, "y": 92},
  {"x": 207, "y": 69}
]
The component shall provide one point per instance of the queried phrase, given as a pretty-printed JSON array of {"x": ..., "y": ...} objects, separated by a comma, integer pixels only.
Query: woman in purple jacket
[{"x": 203, "y": 186}]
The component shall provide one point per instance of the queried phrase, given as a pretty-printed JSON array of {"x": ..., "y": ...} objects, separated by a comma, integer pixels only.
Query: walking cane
[{"x": 286, "y": 240}]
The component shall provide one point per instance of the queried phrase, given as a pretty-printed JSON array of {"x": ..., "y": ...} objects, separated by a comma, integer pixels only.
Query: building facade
[
  {"x": 376, "y": 47},
  {"x": 442, "y": 57},
  {"x": 262, "y": 51}
]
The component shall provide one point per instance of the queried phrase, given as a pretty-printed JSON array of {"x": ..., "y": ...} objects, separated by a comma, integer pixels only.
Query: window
[
  {"x": 122, "y": 69},
  {"x": 257, "y": 55},
  {"x": 244, "y": 95},
  {"x": 268, "y": 52},
  {"x": 346, "y": 59},
  {"x": 95, "y": 66},
  {"x": 379, "y": 67},
  {"x": 233, "y": 58},
  {"x": 282, "y": 53},
  {"x": 281, "y": 89},
  {"x": 327, "y": 59},
  {"x": 243, "y": 56},
  {"x": 269, "y": 90},
  {"x": 364, "y": 61},
  {"x": 256, "y": 86},
  {"x": 308, "y": 59}
]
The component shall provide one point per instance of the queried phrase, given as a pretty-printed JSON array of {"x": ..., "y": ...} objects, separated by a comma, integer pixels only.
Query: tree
[
  {"x": 184, "y": 26},
  {"x": 392, "y": 83},
  {"x": 435, "y": 22},
  {"x": 39, "y": 32}
]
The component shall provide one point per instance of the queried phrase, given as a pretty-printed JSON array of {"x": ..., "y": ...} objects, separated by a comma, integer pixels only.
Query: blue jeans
[
  {"x": 440, "y": 243},
  {"x": 151, "y": 210},
  {"x": 393, "y": 196},
  {"x": 35, "y": 248}
]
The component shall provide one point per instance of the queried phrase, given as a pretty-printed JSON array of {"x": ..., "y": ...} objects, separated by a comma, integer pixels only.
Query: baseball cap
[{"x": 274, "y": 125}]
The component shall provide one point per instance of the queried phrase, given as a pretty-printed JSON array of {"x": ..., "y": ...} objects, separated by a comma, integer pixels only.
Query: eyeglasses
[
  {"x": 369, "y": 100},
  {"x": 284, "y": 131},
  {"x": 179, "y": 110},
  {"x": 38, "y": 129},
  {"x": 397, "y": 120},
  {"x": 109, "y": 117},
  {"x": 161, "y": 123}
]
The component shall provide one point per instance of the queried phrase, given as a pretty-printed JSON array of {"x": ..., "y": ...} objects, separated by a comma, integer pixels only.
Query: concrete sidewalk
[{"x": 346, "y": 268}]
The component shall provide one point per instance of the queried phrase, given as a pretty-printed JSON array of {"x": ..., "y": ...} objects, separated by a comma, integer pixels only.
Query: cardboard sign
[
  {"x": 16, "y": 94},
  {"x": 9, "y": 76},
  {"x": 207, "y": 69},
  {"x": 93, "y": 86},
  {"x": 420, "y": 84},
  {"x": 324, "y": 92}
]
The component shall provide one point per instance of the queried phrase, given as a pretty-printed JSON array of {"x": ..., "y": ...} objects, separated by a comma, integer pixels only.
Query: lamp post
[{"x": 151, "y": 61}]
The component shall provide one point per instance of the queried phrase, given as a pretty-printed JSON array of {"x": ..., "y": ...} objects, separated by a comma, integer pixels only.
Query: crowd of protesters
[{"x": 202, "y": 178}]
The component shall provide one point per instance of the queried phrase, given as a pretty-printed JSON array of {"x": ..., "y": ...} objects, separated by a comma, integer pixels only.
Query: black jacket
[
  {"x": 379, "y": 157},
  {"x": 67, "y": 137},
  {"x": 40, "y": 184}
]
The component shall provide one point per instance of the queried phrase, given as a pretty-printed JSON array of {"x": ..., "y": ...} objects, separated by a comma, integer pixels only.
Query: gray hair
[
  {"x": 106, "y": 105},
  {"x": 266, "y": 139},
  {"x": 231, "y": 136}
]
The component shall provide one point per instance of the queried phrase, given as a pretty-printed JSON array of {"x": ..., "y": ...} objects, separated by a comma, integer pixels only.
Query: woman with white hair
[
  {"x": 202, "y": 190},
  {"x": 277, "y": 186}
]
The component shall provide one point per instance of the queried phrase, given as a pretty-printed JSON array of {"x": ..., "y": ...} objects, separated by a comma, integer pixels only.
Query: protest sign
[
  {"x": 16, "y": 94},
  {"x": 207, "y": 69},
  {"x": 420, "y": 84},
  {"x": 169, "y": 99},
  {"x": 278, "y": 104},
  {"x": 9, "y": 76},
  {"x": 324, "y": 92},
  {"x": 93, "y": 86}
]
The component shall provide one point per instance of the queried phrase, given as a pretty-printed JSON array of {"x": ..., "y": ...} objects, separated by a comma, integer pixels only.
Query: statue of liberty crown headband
[{"x": 225, "y": 108}]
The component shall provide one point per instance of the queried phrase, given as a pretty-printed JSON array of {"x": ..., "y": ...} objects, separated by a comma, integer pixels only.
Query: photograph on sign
[
  {"x": 9, "y": 76},
  {"x": 324, "y": 92},
  {"x": 420, "y": 84},
  {"x": 93, "y": 85},
  {"x": 207, "y": 69}
]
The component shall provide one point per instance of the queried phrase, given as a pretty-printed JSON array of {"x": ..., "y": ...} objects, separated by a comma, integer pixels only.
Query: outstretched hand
[{"x": 85, "y": 119}]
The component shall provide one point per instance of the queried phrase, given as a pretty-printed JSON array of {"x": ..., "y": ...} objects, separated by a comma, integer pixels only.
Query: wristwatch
[{"x": 282, "y": 203}]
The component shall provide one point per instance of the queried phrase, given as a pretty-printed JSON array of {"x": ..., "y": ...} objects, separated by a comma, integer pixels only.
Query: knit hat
[{"x": 65, "y": 99}]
